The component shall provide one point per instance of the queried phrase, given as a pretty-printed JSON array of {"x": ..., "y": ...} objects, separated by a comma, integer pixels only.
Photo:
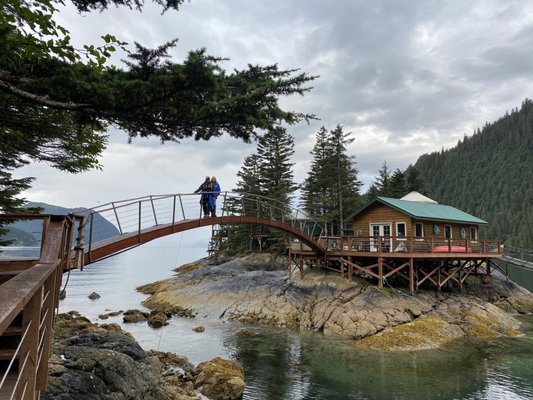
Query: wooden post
[
  {"x": 380, "y": 272},
  {"x": 289, "y": 263},
  {"x": 461, "y": 266},
  {"x": 411, "y": 277}
]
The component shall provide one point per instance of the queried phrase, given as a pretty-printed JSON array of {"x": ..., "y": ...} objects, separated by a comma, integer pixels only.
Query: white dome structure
[{"x": 419, "y": 198}]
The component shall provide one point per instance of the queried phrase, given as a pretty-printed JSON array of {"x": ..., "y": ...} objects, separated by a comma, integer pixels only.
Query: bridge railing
[
  {"x": 29, "y": 295},
  {"x": 136, "y": 214}
]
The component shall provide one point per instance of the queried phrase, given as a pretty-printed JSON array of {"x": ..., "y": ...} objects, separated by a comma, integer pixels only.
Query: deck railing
[{"x": 403, "y": 244}]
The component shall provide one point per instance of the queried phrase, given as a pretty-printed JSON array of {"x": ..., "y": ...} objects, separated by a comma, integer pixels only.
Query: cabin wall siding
[
  {"x": 383, "y": 214},
  {"x": 455, "y": 228}
]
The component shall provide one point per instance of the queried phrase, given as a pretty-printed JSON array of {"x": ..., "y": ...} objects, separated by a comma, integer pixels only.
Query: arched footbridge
[{"x": 118, "y": 226}]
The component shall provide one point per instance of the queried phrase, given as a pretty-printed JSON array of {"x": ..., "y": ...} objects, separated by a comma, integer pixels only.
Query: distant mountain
[
  {"x": 490, "y": 175},
  {"x": 18, "y": 237},
  {"x": 28, "y": 233}
]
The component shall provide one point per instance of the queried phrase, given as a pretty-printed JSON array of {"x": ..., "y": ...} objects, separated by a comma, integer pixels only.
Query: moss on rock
[
  {"x": 220, "y": 379},
  {"x": 423, "y": 333}
]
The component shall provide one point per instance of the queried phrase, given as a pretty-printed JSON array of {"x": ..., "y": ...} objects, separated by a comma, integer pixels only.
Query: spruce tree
[
  {"x": 331, "y": 190},
  {"x": 315, "y": 188},
  {"x": 381, "y": 185},
  {"x": 414, "y": 180},
  {"x": 269, "y": 173},
  {"x": 240, "y": 237},
  {"x": 276, "y": 178},
  {"x": 398, "y": 184}
]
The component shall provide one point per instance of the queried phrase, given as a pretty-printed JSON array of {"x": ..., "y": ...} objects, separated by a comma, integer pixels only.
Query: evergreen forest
[{"x": 490, "y": 175}]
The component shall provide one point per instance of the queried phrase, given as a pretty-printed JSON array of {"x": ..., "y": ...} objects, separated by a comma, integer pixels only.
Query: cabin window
[
  {"x": 400, "y": 229},
  {"x": 448, "y": 231},
  {"x": 473, "y": 233},
  {"x": 419, "y": 229}
]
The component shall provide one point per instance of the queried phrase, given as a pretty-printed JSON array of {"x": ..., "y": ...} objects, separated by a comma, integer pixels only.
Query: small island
[{"x": 255, "y": 289}]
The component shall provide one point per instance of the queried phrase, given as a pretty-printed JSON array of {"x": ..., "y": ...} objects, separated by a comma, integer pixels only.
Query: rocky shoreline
[
  {"x": 93, "y": 361},
  {"x": 103, "y": 362},
  {"x": 255, "y": 289}
]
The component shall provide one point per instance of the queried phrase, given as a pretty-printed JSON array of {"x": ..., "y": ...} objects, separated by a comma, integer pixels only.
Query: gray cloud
[{"x": 406, "y": 77}]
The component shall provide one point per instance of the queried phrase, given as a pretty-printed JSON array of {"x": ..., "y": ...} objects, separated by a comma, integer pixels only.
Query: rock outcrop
[
  {"x": 91, "y": 361},
  {"x": 256, "y": 290}
]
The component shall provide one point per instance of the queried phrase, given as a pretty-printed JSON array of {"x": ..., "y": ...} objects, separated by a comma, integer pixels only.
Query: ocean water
[{"x": 284, "y": 364}]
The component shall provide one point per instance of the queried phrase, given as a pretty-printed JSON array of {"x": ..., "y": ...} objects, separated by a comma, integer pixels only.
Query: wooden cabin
[
  {"x": 414, "y": 223},
  {"x": 413, "y": 240}
]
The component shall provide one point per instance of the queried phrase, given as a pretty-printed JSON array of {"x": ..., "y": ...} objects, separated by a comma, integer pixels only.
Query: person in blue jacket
[{"x": 215, "y": 191}]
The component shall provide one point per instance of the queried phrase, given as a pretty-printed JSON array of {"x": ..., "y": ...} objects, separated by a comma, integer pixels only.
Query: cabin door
[{"x": 380, "y": 232}]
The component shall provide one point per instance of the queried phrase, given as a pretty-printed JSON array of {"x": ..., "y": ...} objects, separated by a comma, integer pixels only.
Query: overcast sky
[{"x": 405, "y": 77}]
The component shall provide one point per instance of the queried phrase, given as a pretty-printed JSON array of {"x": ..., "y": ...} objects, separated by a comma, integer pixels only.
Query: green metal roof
[{"x": 436, "y": 212}]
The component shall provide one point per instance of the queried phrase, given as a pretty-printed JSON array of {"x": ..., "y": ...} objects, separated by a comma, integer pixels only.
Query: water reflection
[{"x": 281, "y": 365}]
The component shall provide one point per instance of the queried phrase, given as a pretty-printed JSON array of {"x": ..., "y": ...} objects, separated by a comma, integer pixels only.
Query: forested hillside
[{"x": 490, "y": 175}]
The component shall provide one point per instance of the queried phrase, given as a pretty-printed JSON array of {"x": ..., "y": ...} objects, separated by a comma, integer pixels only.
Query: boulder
[
  {"x": 219, "y": 379},
  {"x": 94, "y": 296},
  {"x": 157, "y": 319},
  {"x": 131, "y": 316}
]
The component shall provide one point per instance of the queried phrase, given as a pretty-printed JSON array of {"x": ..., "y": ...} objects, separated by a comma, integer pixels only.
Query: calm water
[{"x": 281, "y": 364}]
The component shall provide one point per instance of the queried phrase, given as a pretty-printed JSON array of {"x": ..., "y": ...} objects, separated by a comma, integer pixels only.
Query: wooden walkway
[{"x": 518, "y": 262}]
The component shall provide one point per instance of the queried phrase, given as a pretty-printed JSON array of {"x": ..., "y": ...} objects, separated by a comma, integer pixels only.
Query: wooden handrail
[{"x": 18, "y": 291}]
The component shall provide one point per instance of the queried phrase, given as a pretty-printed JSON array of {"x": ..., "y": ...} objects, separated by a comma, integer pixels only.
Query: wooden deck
[{"x": 416, "y": 261}]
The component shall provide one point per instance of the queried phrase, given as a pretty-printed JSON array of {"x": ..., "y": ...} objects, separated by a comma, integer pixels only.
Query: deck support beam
[
  {"x": 380, "y": 272},
  {"x": 411, "y": 277}
]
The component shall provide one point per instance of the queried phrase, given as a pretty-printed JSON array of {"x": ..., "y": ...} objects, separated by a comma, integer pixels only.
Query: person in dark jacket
[{"x": 205, "y": 190}]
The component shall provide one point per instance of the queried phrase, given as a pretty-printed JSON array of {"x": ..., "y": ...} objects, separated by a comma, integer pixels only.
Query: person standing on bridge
[
  {"x": 215, "y": 191},
  {"x": 205, "y": 190}
]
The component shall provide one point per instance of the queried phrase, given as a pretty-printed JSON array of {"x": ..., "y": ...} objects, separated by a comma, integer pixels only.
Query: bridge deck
[
  {"x": 518, "y": 262},
  {"x": 104, "y": 248}
]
